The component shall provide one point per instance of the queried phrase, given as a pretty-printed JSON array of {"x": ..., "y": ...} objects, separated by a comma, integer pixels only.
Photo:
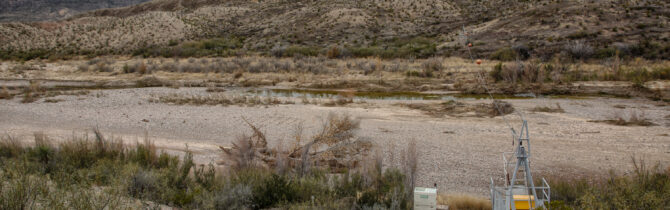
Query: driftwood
[{"x": 334, "y": 148}]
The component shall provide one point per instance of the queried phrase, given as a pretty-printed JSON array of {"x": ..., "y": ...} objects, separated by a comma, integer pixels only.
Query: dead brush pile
[
  {"x": 334, "y": 148},
  {"x": 557, "y": 109},
  {"x": 460, "y": 109},
  {"x": 5, "y": 94},
  {"x": 634, "y": 118}
]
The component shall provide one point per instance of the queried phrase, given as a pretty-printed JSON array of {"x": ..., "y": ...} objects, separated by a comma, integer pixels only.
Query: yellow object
[{"x": 521, "y": 201}]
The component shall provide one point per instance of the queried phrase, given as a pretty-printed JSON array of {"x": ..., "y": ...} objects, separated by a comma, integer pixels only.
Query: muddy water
[
  {"x": 411, "y": 96},
  {"x": 292, "y": 93},
  {"x": 15, "y": 83}
]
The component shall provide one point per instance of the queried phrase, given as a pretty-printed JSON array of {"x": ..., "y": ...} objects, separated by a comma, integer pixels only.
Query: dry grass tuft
[
  {"x": 464, "y": 202},
  {"x": 459, "y": 109},
  {"x": 430, "y": 67},
  {"x": 499, "y": 108},
  {"x": 50, "y": 100},
  {"x": 557, "y": 109},
  {"x": 215, "y": 90},
  {"x": 32, "y": 92},
  {"x": 4, "y": 93},
  {"x": 339, "y": 101},
  {"x": 410, "y": 164},
  {"x": 10, "y": 146},
  {"x": 634, "y": 118}
]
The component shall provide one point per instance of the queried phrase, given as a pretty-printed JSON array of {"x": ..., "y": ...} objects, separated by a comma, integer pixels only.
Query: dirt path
[{"x": 459, "y": 154}]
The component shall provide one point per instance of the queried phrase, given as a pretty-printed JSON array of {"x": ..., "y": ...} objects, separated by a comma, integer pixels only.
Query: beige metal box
[{"x": 425, "y": 198}]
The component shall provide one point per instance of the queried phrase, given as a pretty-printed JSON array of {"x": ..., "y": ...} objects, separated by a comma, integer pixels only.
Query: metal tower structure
[{"x": 519, "y": 191}]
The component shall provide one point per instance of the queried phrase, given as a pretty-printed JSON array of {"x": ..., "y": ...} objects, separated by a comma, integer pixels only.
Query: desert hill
[
  {"x": 42, "y": 10},
  {"x": 385, "y": 28}
]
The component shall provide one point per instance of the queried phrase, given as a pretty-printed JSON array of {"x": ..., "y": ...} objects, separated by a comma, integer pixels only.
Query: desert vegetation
[
  {"x": 361, "y": 29},
  {"x": 550, "y": 109},
  {"x": 216, "y": 97},
  {"x": 105, "y": 172},
  {"x": 646, "y": 187},
  {"x": 219, "y": 99},
  {"x": 97, "y": 171},
  {"x": 459, "y": 109},
  {"x": 35, "y": 92},
  {"x": 618, "y": 77},
  {"x": 534, "y": 71},
  {"x": 464, "y": 202},
  {"x": 628, "y": 118}
]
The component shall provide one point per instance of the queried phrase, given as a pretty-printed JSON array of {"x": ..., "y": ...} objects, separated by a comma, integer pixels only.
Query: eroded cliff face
[{"x": 41, "y": 10}]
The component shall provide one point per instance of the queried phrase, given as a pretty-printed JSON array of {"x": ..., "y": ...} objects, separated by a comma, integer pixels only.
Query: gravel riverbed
[{"x": 459, "y": 154}]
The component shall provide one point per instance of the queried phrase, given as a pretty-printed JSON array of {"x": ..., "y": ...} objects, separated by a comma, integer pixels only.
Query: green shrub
[
  {"x": 504, "y": 54},
  {"x": 649, "y": 50},
  {"x": 418, "y": 47},
  {"x": 604, "y": 53},
  {"x": 142, "y": 184},
  {"x": 10, "y": 147},
  {"x": 412, "y": 73},
  {"x": 388, "y": 191},
  {"x": 496, "y": 73},
  {"x": 581, "y": 35},
  {"x": 21, "y": 192},
  {"x": 296, "y": 50},
  {"x": 661, "y": 73},
  {"x": 568, "y": 190},
  {"x": 646, "y": 188},
  {"x": 237, "y": 196},
  {"x": 223, "y": 46},
  {"x": 274, "y": 190},
  {"x": 100, "y": 173},
  {"x": 364, "y": 52}
]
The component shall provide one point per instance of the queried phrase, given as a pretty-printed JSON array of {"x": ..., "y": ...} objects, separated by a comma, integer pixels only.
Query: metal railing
[{"x": 500, "y": 200}]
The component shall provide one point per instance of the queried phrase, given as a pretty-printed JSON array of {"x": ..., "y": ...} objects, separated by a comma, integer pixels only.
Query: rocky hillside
[
  {"x": 41, "y": 10},
  {"x": 385, "y": 28}
]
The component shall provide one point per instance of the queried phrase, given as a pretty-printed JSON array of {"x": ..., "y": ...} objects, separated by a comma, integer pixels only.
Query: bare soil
[{"x": 459, "y": 153}]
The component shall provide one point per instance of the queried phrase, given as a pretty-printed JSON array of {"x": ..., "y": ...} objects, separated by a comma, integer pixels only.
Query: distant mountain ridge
[
  {"x": 384, "y": 28},
  {"x": 44, "y": 10}
]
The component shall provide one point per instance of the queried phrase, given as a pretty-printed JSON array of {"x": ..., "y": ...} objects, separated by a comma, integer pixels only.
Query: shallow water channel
[{"x": 324, "y": 94}]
